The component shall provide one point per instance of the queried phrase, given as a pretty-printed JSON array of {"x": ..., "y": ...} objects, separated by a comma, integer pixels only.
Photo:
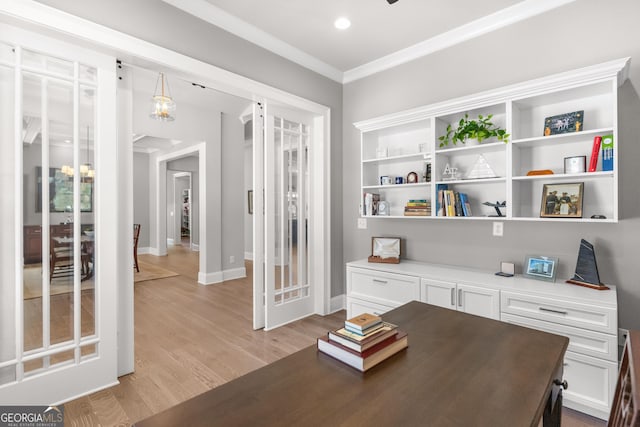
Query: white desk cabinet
[
  {"x": 589, "y": 318},
  {"x": 478, "y": 300}
]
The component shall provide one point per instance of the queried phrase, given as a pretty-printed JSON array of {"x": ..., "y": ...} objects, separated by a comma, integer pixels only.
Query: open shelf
[{"x": 409, "y": 142}]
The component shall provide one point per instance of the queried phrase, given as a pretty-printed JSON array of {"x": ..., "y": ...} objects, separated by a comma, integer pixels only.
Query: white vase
[{"x": 471, "y": 142}]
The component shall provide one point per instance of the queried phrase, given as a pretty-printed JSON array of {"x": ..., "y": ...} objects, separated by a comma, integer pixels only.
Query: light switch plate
[
  {"x": 362, "y": 223},
  {"x": 498, "y": 229}
]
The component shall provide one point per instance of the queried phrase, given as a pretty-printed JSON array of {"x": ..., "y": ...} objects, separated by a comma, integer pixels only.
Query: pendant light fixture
[{"x": 162, "y": 105}]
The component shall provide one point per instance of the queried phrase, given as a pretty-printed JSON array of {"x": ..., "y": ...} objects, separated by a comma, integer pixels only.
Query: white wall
[{"x": 575, "y": 35}]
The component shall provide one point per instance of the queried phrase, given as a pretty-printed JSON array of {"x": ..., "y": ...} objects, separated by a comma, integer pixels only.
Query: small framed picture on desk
[{"x": 540, "y": 267}]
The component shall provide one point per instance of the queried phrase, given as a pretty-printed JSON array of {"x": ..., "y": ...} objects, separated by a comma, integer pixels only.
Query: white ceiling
[{"x": 381, "y": 35}]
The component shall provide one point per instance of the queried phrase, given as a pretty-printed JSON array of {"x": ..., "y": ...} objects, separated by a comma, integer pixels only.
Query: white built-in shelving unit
[{"x": 407, "y": 141}]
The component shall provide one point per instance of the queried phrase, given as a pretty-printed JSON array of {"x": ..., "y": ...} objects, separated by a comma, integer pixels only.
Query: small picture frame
[
  {"x": 564, "y": 123},
  {"x": 250, "y": 201},
  {"x": 562, "y": 200},
  {"x": 385, "y": 250},
  {"x": 540, "y": 267},
  {"x": 575, "y": 164}
]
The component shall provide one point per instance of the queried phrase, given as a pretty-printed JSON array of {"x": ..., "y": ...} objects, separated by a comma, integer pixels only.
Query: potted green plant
[{"x": 470, "y": 130}]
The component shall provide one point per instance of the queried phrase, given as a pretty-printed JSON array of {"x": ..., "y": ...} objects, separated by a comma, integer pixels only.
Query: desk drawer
[
  {"x": 582, "y": 341},
  {"x": 595, "y": 318},
  {"x": 356, "y": 307},
  {"x": 384, "y": 288}
]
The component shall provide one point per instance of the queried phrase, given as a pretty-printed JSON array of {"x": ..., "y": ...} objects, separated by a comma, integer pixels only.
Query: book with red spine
[{"x": 595, "y": 152}]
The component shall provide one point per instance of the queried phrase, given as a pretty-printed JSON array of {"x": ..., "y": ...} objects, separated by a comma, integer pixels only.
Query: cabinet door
[
  {"x": 479, "y": 301},
  {"x": 591, "y": 382},
  {"x": 437, "y": 292}
]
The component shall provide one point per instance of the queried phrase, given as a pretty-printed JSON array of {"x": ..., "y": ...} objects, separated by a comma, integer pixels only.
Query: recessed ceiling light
[
  {"x": 342, "y": 23},
  {"x": 68, "y": 141}
]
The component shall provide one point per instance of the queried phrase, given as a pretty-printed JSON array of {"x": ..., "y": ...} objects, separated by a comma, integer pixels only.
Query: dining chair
[
  {"x": 136, "y": 236},
  {"x": 60, "y": 253},
  {"x": 625, "y": 409}
]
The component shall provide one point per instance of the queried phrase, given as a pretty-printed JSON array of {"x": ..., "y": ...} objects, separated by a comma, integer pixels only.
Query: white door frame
[
  {"x": 178, "y": 208},
  {"x": 67, "y": 25},
  {"x": 160, "y": 228}
]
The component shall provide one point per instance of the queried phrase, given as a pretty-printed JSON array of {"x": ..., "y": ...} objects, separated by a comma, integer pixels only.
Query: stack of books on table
[
  {"x": 417, "y": 207},
  {"x": 364, "y": 341}
]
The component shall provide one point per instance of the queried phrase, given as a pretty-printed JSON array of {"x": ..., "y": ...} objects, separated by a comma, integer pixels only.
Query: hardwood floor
[{"x": 190, "y": 338}]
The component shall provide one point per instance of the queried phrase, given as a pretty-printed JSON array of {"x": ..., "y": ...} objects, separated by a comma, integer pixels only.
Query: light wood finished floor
[{"x": 190, "y": 338}]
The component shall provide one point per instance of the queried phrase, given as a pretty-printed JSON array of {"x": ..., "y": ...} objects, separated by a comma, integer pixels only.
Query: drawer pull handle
[
  {"x": 453, "y": 297},
  {"x": 459, "y": 297},
  {"x": 552, "y": 311},
  {"x": 384, "y": 282},
  {"x": 565, "y": 364},
  {"x": 564, "y": 384}
]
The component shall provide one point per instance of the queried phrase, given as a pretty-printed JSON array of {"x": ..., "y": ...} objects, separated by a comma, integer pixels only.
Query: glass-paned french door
[
  {"x": 55, "y": 310},
  {"x": 288, "y": 290}
]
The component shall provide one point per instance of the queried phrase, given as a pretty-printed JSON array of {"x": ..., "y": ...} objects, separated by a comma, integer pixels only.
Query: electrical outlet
[
  {"x": 498, "y": 229},
  {"x": 362, "y": 223},
  {"x": 622, "y": 336},
  {"x": 232, "y": 259}
]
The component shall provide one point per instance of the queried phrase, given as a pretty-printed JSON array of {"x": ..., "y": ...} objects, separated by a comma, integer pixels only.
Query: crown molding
[
  {"x": 510, "y": 15},
  {"x": 218, "y": 17}
]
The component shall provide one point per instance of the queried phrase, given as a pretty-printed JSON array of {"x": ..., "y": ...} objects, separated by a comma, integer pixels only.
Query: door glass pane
[
  {"x": 87, "y": 208},
  {"x": 32, "y": 208},
  {"x": 47, "y": 63},
  {"x": 62, "y": 171},
  {"x": 8, "y": 199},
  {"x": 87, "y": 73},
  {"x": 291, "y": 188},
  {"x": 278, "y": 178},
  {"x": 7, "y": 55}
]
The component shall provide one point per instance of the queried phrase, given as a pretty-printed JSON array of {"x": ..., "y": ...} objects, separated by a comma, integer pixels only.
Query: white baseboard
[
  {"x": 221, "y": 276},
  {"x": 337, "y": 303},
  {"x": 210, "y": 278},
  {"x": 169, "y": 242},
  {"x": 195, "y": 248},
  {"x": 234, "y": 273},
  {"x": 248, "y": 256},
  {"x": 144, "y": 251},
  {"x": 154, "y": 251}
]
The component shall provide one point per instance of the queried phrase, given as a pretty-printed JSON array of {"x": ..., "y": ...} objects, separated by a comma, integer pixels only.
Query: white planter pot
[{"x": 471, "y": 141}]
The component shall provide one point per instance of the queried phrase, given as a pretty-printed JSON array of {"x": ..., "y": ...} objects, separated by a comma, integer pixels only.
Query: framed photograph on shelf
[
  {"x": 564, "y": 123},
  {"x": 562, "y": 200},
  {"x": 540, "y": 267}
]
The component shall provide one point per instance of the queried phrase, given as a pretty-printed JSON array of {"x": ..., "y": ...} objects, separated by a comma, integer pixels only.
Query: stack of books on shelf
[
  {"x": 417, "y": 207},
  {"x": 453, "y": 203},
  {"x": 364, "y": 342}
]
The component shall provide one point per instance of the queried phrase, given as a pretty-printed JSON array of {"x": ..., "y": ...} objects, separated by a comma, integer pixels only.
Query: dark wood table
[{"x": 459, "y": 370}]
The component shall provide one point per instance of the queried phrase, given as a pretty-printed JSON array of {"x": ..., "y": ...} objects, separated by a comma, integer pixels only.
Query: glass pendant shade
[{"x": 163, "y": 106}]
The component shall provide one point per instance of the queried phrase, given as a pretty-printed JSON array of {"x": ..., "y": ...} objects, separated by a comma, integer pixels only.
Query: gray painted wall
[
  {"x": 141, "y": 196},
  {"x": 576, "y": 35},
  {"x": 148, "y": 20},
  {"x": 232, "y": 192}
]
